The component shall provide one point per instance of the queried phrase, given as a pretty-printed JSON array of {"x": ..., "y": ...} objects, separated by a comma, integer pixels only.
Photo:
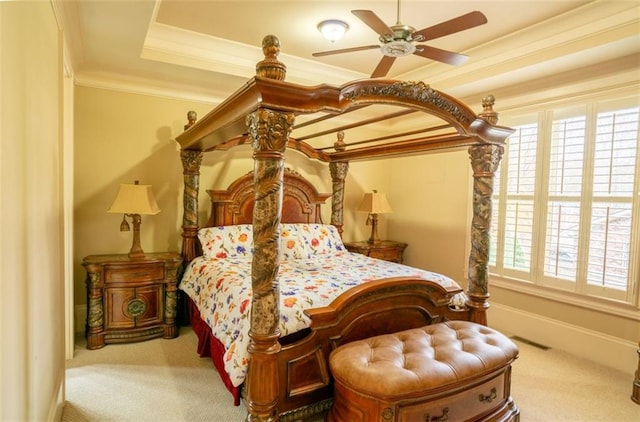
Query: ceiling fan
[{"x": 400, "y": 40}]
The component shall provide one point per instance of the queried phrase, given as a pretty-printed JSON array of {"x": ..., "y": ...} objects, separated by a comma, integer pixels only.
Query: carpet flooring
[{"x": 164, "y": 380}]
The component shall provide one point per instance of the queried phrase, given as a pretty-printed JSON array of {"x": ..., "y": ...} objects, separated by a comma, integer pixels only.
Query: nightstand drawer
[
  {"x": 138, "y": 273},
  {"x": 133, "y": 307},
  {"x": 388, "y": 254},
  {"x": 387, "y": 250}
]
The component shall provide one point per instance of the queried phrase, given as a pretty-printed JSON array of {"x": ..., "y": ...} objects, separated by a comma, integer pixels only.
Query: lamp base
[
  {"x": 136, "y": 251},
  {"x": 374, "y": 229}
]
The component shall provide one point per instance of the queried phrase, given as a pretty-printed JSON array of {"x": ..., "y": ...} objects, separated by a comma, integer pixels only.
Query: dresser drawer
[
  {"x": 134, "y": 273},
  {"x": 465, "y": 405}
]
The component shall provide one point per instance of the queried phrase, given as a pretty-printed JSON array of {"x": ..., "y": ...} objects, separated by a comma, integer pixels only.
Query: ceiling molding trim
[
  {"x": 66, "y": 14},
  {"x": 174, "y": 45},
  {"x": 575, "y": 31},
  {"x": 118, "y": 82}
]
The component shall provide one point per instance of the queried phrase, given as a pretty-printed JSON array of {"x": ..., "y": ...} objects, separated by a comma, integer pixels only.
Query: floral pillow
[
  {"x": 292, "y": 245},
  {"x": 227, "y": 241},
  {"x": 297, "y": 241},
  {"x": 320, "y": 238}
]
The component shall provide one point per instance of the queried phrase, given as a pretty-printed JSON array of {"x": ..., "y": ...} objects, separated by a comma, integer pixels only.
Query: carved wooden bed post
[
  {"x": 484, "y": 161},
  {"x": 191, "y": 161},
  {"x": 338, "y": 171},
  {"x": 269, "y": 131}
]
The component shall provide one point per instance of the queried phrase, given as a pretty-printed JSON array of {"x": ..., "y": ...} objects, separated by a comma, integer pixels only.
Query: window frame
[{"x": 535, "y": 281}]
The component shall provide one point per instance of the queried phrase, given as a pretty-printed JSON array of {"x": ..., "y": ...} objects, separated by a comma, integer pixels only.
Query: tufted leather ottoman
[{"x": 455, "y": 370}]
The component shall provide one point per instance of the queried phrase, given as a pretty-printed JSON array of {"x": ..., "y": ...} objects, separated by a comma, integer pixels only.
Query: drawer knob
[
  {"x": 489, "y": 397},
  {"x": 135, "y": 308},
  {"x": 443, "y": 417}
]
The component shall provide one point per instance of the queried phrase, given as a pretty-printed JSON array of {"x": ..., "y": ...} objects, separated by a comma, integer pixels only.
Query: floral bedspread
[{"x": 221, "y": 289}]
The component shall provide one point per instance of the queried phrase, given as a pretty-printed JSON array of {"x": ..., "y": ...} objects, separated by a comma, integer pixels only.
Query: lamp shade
[
  {"x": 375, "y": 203},
  {"x": 135, "y": 199}
]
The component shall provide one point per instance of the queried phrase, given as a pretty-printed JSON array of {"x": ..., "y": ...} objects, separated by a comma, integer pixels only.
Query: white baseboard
[
  {"x": 606, "y": 350},
  {"x": 80, "y": 318}
]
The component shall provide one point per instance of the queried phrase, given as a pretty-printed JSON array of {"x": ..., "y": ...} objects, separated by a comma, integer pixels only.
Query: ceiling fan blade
[
  {"x": 373, "y": 22},
  {"x": 383, "y": 67},
  {"x": 344, "y": 50},
  {"x": 443, "y": 56},
  {"x": 451, "y": 26}
]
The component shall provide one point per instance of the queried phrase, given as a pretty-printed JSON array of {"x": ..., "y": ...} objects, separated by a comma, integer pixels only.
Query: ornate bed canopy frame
[{"x": 263, "y": 112}]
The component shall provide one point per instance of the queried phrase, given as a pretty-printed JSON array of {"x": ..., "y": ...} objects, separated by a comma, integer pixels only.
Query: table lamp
[
  {"x": 374, "y": 203},
  {"x": 133, "y": 201}
]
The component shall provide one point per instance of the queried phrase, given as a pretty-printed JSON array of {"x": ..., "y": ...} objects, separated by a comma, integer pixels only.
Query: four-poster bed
[{"x": 288, "y": 377}]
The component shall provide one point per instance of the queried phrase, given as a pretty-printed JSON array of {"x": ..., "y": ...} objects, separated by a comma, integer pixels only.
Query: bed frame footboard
[{"x": 374, "y": 308}]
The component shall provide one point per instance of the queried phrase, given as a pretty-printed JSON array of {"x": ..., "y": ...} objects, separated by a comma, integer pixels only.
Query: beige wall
[
  {"x": 120, "y": 138},
  {"x": 430, "y": 194},
  {"x": 31, "y": 231}
]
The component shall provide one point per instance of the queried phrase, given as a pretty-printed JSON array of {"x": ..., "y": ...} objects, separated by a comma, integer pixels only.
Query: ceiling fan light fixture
[{"x": 333, "y": 29}]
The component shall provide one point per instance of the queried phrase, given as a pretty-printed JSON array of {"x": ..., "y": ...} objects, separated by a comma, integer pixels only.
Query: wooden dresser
[
  {"x": 387, "y": 250},
  {"x": 131, "y": 299}
]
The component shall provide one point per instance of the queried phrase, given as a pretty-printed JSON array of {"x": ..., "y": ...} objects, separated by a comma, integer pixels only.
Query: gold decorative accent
[
  {"x": 387, "y": 414},
  {"x": 96, "y": 316},
  {"x": 171, "y": 304},
  {"x": 307, "y": 412},
  {"x": 135, "y": 308},
  {"x": 488, "y": 398},
  {"x": 271, "y": 67},
  {"x": 488, "y": 113},
  {"x": 441, "y": 418},
  {"x": 191, "y": 161},
  {"x": 269, "y": 132},
  {"x": 416, "y": 91},
  {"x": 339, "y": 144},
  {"x": 192, "y": 116}
]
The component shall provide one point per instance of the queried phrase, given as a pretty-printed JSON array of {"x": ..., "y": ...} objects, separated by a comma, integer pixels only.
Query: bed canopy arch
[{"x": 263, "y": 114}]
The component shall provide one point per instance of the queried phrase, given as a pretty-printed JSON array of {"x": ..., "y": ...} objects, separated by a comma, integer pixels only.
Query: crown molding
[
  {"x": 595, "y": 32},
  {"x": 119, "y": 82},
  {"x": 168, "y": 44}
]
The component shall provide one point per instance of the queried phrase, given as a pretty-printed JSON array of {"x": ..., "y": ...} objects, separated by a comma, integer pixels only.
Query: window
[{"x": 566, "y": 201}]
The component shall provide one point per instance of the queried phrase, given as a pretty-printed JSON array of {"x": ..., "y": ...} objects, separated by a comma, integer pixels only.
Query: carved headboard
[{"x": 300, "y": 202}]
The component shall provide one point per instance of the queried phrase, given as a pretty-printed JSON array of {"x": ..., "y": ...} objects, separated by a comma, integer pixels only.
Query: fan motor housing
[
  {"x": 398, "y": 44},
  {"x": 397, "y": 48}
]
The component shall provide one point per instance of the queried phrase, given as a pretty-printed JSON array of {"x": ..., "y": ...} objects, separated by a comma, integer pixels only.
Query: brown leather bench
[{"x": 455, "y": 370}]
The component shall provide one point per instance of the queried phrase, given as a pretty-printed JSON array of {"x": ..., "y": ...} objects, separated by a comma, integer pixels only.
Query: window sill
[{"x": 619, "y": 309}]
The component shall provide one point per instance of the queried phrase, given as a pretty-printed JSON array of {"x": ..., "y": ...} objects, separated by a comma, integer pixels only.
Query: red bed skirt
[{"x": 209, "y": 346}]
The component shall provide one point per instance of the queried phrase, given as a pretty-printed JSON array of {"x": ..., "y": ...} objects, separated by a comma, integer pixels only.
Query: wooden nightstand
[
  {"x": 131, "y": 299},
  {"x": 388, "y": 250}
]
